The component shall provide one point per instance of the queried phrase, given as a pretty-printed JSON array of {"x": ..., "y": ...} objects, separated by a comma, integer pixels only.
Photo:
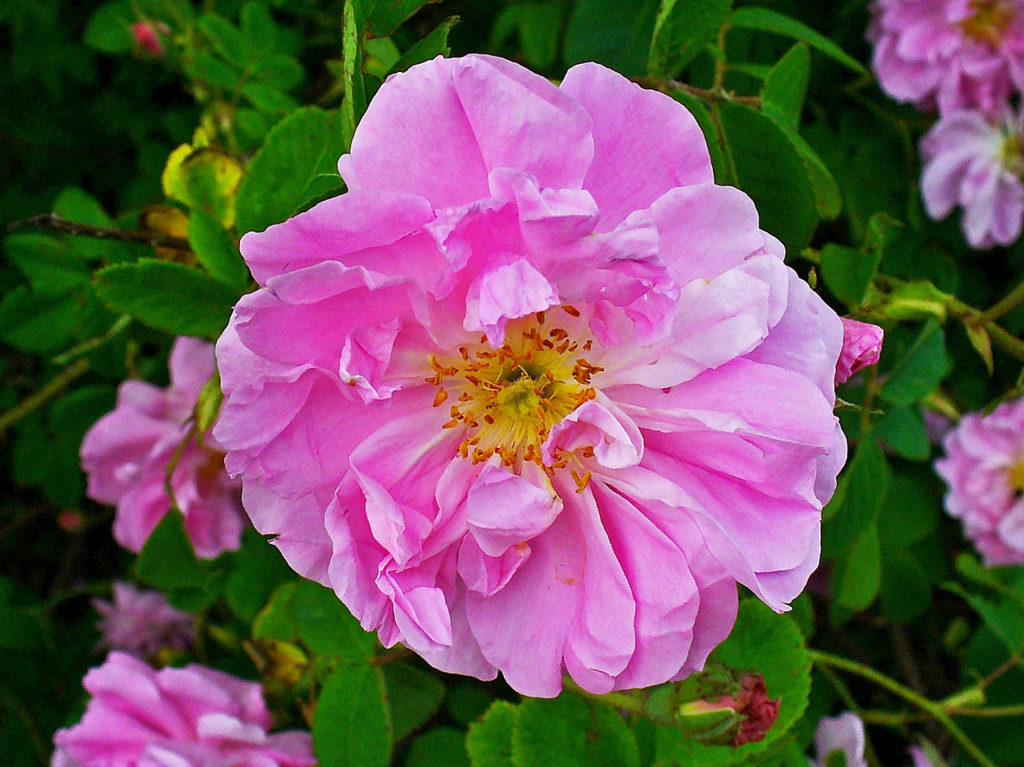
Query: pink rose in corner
[
  {"x": 949, "y": 53},
  {"x": 984, "y": 467},
  {"x": 976, "y": 162},
  {"x": 176, "y": 716},
  {"x": 862, "y": 345},
  {"x": 142, "y": 622},
  {"x": 127, "y": 452},
  {"x": 531, "y": 362}
]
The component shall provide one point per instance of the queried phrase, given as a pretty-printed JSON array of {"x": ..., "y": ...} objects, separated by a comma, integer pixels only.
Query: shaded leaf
[
  {"x": 351, "y": 726},
  {"x": 766, "y": 20},
  {"x": 681, "y": 30}
]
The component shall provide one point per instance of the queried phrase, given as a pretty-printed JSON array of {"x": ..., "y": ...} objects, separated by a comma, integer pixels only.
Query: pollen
[
  {"x": 507, "y": 399},
  {"x": 989, "y": 23}
]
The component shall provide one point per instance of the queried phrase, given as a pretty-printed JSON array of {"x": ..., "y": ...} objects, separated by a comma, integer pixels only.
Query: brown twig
[
  {"x": 51, "y": 222},
  {"x": 711, "y": 95}
]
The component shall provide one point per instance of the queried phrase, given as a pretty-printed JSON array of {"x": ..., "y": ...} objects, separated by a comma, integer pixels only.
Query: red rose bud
[
  {"x": 145, "y": 34},
  {"x": 736, "y": 719},
  {"x": 760, "y": 710}
]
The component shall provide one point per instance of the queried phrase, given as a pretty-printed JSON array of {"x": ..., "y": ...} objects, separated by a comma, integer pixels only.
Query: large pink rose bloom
[
  {"x": 126, "y": 455},
  {"x": 976, "y": 162},
  {"x": 949, "y": 53},
  {"x": 984, "y": 467},
  {"x": 176, "y": 717},
  {"x": 535, "y": 393}
]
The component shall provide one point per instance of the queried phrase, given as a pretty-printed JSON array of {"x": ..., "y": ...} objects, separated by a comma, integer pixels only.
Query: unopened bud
[{"x": 743, "y": 717}]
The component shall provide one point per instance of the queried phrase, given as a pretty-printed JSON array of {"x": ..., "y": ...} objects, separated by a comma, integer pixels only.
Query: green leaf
[
  {"x": 213, "y": 71},
  {"x": 257, "y": 570},
  {"x": 707, "y": 125},
  {"x": 612, "y": 33},
  {"x": 279, "y": 70},
  {"x": 258, "y": 26},
  {"x": 167, "y": 560},
  {"x": 310, "y": 612},
  {"x": 269, "y": 98},
  {"x": 489, "y": 740},
  {"x": 217, "y": 251},
  {"x": 466, "y": 701},
  {"x": 1003, "y": 618},
  {"x": 570, "y": 732},
  {"x": 351, "y": 726},
  {"x": 906, "y": 588},
  {"x": 866, "y": 480},
  {"x": 354, "y": 102},
  {"x": 282, "y": 169},
  {"x": 772, "y": 646},
  {"x": 766, "y": 20},
  {"x": 413, "y": 697},
  {"x": 168, "y": 296},
  {"x": 434, "y": 44},
  {"x": 848, "y": 272},
  {"x": 385, "y": 16},
  {"x": 36, "y": 323},
  {"x": 227, "y": 39},
  {"x": 770, "y": 169},
  {"x": 858, "y": 573},
  {"x": 785, "y": 87},
  {"x": 203, "y": 179},
  {"x": 47, "y": 263},
  {"x": 920, "y": 370},
  {"x": 827, "y": 197},
  {"x": 681, "y": 30},
  {"x": 903, "y": 430},
  {"x": 440, "y": 746},
  {"x": 109, "y": 29}
]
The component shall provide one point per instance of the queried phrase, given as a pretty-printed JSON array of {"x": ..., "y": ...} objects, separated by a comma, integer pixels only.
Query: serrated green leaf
[
  {"x": 109, "y": 29},
  {"x": 770, "y": 169},
  {"x": 167, "y": 296},
  {"x": 920, "y": 370},
  {"x": 570, "y": 732},
  {"x": 785, "y": 86},
  {"x": 440, "y": 746},
  {"x": 351, "y": 726},
  {"x": 282, "y": 170},
  {"x": 217, "y": 251},
  {"x": 768, "y": 644},
  {"x": 858, "y": 572},
  {"x": 903, "y": 431},
  {"x": 681, "y": 30},
  {"x": 848, "y": 272},
  {"x": 766, "y": 20},
  {"x": 47, "y": 263},
  {"x": 612, "y": 33},
  {"x": 434, "y": 44},
  {"x": 385, "y": 16},
  {"x": 167, "y": 559},
  {"x": 413, "y": 697},
  {"x": 489, "y": 741},
  {"x": 227, "y": 39}
]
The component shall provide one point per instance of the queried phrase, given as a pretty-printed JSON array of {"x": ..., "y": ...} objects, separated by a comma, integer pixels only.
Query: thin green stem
[
  {"x": 930, "y": 707},
  {"x": 1008, "y": 303},
  {"x": 850, "y": 702},
  {"x": 37, "y": 399},
  {"x": 990, "y": 711}
]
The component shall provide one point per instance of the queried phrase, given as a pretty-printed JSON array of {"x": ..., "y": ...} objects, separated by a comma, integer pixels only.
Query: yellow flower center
[
  {"x": 989, "y": 22},
  {"x": 1016, "y": 476},
  {"x": 507, "y": 399},
  {"x": 1011, "y": 154}
]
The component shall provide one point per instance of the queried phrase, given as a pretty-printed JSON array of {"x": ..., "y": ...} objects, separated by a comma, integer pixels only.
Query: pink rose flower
[
  {"x": 176, "y": 717},
  {"x": 127, "y": 452},
  {"x": 984, "y": 467},
  {"x": 976, "y": 162},
  {"x": 844, "y": 733},
  {"x": 862, "y": 346},
  {"x": 532, "y": 363},
  {"x": 949, "y": 53},
  {"x": 142, "y": 622}
]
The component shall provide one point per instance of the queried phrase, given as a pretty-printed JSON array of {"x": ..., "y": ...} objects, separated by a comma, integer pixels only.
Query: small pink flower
[
  {"x": 844, "y": 733},
  {"x": 984, "y": 467},
  {"x": 181, "y": 717},
  {"x": 145, "y": 34},
  {"x": 142, "y": 622},
  {"x": 949, "y": 53},
  {"x": 533, "y": 361},
  {"x": 976, "y": 162},
  {"x": 127, "y": 453},
  {"x": 862, "y": 345}
]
